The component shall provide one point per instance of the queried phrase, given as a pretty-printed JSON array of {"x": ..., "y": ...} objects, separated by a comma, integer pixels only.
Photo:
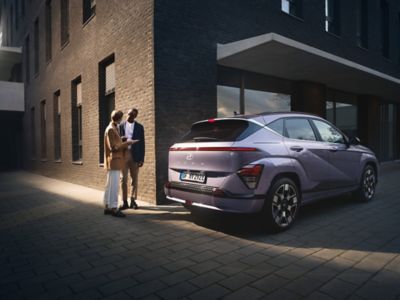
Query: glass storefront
[
  {"x": 261, "y": 101},
  {"x": 255, "y": 101},
  {"x": 341, "y": 110},
  {"x": 228, "y": 101},
  {"x": 241, "y": 92}
]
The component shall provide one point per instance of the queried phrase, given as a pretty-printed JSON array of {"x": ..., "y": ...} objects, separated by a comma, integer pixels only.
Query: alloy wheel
[
  {"x": 369, "y": 183},
  {"x": 284, "y": 205}
]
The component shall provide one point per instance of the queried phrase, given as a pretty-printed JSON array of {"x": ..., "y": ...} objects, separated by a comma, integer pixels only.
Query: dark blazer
[{"x": 138, "y": 148}]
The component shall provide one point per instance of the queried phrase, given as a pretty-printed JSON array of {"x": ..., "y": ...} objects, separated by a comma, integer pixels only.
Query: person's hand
[{"x": 140, "y": 164}]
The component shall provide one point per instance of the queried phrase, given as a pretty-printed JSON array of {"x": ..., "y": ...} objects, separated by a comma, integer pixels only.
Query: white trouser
[{"x": 112, "y": 189}]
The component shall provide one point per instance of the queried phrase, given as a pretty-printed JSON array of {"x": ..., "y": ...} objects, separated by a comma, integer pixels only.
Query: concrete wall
[{"x": 11, "y": 96}]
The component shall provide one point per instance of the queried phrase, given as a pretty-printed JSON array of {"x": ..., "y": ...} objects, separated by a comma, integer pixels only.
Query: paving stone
[
  {"x": 150, "y": 275},
  {"x": 237, "y": 281},
  {"x": 327, "y": 253},
  {"x": 118, "y": 296},
  {"x": 338, "y": 289},
  {"x": 145, "y": 289},
  {"x": 270, "y": 283},
  {"x": 355, "y": 276},
  {"x": 207, "y": 279},
  {"x": 177, "y": 277},
  {"x": 211, "y": 292},
  {"x": 178, "y": 291},
  {"x": 254, "y": 259},
  {"x": 247, "y": 293},
  {"x": 124, "y": 272},
  {"x": 117, "y": 285},
  {"x": 232, "y": 268},
  {"x": 94, "y": 272},
  {"x": 282, "y": 260},
  {"x": 375, "y": 291},
  {"x": 260, "y": 270},
  {"x": 291, "y": 271},
  {"x": 319, "y": 296},
  {"x": 91, "y": 283},
  {"x": 203, "y": 267},
  {"x": 304, "y": 286},
  {"x": 64, "y": 281},
  {"x": 282, "y": 294}
]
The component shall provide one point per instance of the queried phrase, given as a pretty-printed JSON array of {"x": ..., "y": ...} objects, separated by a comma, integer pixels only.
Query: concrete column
[
  {"x": 309, "y": 97},
  {"x": 369, "y": 122}
]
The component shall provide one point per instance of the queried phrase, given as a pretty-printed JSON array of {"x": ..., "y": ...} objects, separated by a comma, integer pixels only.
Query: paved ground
[{"x": 55, "y": 243}]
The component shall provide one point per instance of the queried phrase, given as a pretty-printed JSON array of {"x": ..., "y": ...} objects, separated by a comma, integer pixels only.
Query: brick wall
[{"x": 119, "y": 27}]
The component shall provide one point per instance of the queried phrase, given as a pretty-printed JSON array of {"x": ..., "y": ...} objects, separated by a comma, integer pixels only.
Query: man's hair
[
  {"x": 116, "y": 115},
  {"x": 133, "y": 110}
]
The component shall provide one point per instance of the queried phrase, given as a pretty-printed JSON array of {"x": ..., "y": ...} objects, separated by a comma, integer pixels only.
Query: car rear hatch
[{"x": 207, "y": 154}]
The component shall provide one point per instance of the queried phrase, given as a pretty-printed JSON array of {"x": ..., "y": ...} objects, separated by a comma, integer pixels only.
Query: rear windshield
[{"x": 220, "y": 131}]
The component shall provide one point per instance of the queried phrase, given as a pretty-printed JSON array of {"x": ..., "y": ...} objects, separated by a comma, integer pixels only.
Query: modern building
[{"x": 184, "y": 60}]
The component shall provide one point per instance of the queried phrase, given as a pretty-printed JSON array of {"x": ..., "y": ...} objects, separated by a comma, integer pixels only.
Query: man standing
[
  {"x": 132, "y": 130},
  {"x": 114, "y": 158}
]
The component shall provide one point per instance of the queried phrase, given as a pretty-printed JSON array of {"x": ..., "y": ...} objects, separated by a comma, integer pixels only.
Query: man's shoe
[
  {"x": 107, "y": 211},
  {"x": 134, "y": 204},
  {"x": 117, "y": 213},
  {"x": 124, "y": 206}
]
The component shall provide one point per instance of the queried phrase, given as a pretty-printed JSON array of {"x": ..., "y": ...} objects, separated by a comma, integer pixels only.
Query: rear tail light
[
  {"x": 229, "y": 149},
  {"x": 250, "y": 175}
]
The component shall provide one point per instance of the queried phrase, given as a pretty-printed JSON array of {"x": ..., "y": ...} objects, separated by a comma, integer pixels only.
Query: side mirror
[{"x": 354, "y": 141}]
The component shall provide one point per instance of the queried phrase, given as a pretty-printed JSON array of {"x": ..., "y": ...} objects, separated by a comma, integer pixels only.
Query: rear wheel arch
[{"x": 291, "y": 175}]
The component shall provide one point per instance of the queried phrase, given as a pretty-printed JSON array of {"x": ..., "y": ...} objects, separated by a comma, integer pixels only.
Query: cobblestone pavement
[{"x": 56, "y": 243}]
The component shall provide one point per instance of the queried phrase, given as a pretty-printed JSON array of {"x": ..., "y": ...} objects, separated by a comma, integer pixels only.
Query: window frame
[
  {"x": 295, "y": 8},
  {"x": 64, "y": 23},
  {"x": 333, "y": 22},
  {"x": 88, "y": 10}
]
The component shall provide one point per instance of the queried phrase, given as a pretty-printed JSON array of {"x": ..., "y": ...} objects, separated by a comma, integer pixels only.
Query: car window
[
  {"x": 221, "y": 131},
  {"x": 300, "y": 129},
  {"x": 328, "y": 133},
  {"x": 276, "y": 126}
]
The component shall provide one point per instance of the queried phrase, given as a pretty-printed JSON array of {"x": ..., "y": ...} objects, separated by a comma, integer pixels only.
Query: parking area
[{"x": 56, "y": 243}]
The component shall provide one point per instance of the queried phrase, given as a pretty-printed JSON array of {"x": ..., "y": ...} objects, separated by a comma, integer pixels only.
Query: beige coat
[{"x": 114, "y": 148}]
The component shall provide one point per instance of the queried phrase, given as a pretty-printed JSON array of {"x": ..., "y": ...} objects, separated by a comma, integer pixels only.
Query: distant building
[{"x": 182, "y": 61}]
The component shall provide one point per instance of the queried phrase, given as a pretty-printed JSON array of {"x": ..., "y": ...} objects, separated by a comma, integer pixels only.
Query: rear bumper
[{"x": 214, "y": 198}]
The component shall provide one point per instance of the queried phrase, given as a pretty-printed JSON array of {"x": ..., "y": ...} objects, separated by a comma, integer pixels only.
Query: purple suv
[{"x": 270, "y": 163}]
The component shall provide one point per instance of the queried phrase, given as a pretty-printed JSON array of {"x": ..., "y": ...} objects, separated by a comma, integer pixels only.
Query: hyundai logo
[{"x": 189, "y": 157}]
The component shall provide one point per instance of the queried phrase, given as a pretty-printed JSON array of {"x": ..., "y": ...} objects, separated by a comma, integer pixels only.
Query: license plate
[{"x": 193, "y": 176}]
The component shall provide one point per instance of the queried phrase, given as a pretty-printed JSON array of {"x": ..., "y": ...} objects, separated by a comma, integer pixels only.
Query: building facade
[{"x": 182, "y": 61}]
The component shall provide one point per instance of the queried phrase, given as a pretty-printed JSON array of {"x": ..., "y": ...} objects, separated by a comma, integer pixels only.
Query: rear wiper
[{"x": 204, "y": 138}]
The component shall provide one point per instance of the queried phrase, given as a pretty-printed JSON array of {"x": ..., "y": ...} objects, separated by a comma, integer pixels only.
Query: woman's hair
[{"x": 116, "y": 115}]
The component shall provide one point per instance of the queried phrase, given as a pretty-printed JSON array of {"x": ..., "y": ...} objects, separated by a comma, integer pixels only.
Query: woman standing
[{"x": 114, "y": 159}]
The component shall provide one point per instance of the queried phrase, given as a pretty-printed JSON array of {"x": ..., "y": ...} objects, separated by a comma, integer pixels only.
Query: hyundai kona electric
[{"x": 269, "y": 163}]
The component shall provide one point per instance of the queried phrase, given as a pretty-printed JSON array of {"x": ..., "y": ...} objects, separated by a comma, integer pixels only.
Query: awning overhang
[{"x": 275, "y": 55}]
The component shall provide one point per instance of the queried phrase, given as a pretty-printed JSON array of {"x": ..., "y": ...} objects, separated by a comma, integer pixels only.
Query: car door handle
[{"x": 296, "y": 148}]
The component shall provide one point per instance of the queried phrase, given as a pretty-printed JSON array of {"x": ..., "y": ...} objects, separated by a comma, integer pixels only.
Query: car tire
[
  {"x": 282, "y": 205},
  {"x": 367, "y": 188}
]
